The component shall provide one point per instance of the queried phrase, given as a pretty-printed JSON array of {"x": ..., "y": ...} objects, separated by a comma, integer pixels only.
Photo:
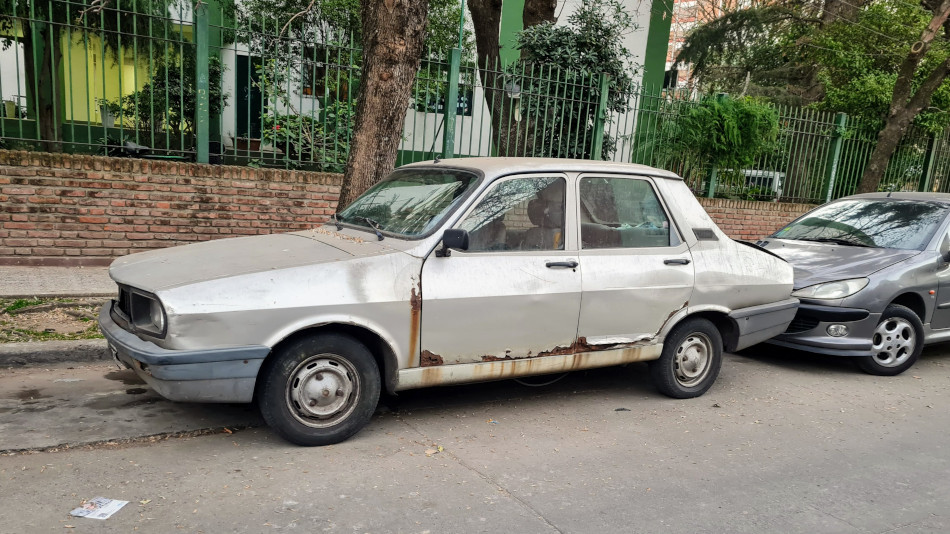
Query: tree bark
[
  {"x": 393, "y": 32},
  {"x": 905, "y": 102},
  {"x": 508, "y": 134},
  {"x": 42, "y": 92}
]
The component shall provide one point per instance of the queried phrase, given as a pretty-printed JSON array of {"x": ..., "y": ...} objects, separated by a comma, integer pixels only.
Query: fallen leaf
[
  {"x": 144, "y": 502},
  {"x": 227, "y": 430}
]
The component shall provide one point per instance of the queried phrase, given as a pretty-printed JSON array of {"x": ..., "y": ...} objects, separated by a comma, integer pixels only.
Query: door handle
[
  {"x": 676, "y": 261},
  {"x": 564, "y": 264}
]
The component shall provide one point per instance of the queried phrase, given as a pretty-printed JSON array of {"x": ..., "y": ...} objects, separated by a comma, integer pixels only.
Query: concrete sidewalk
[{"x": 18, "y": 281}]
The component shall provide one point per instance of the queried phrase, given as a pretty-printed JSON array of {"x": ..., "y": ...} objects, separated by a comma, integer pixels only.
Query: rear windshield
[{"x": 882, "y": 223}]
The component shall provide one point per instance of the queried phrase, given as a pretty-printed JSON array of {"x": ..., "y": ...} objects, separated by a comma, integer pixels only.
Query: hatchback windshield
[
  {"x": 901, "y": 224},
  {"x": 409, "y": 203}
]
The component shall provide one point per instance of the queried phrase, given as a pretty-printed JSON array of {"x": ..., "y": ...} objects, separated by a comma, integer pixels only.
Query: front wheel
[
  {"x": 896, "y": 343},
  {"x": 691, "y": 359},
  {"x": 320, "y": 390}
]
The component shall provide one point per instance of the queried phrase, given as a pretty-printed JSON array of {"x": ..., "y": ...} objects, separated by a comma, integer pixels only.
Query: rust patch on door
[
  {"x": 415, "y": 321},
  {"x": 431, "y": 360}
]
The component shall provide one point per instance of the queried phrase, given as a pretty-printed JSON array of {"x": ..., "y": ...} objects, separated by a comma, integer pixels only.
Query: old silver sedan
[{"x": 449, "y": 272}]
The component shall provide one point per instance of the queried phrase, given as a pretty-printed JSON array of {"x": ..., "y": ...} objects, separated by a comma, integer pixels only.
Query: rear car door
[{"x": 637, "y": 270}]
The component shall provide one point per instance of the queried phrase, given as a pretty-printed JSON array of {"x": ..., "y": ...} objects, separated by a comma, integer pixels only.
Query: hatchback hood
[
  {"x": 163, "y": 269},
  {"x": 815, "y": 263}
]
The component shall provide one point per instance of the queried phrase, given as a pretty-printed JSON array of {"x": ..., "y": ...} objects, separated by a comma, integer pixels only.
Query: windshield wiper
[
  {"x": 835, "y": 240},
  {"x": 376, "y": 226}
]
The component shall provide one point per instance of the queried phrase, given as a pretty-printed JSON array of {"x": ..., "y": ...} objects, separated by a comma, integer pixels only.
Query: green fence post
[
  {"x": 926, "y": 179},
  {"x": 834, "y": 154},
  {"x": 713, "y": 181},
  {"x": 600, "y": 119},
  {"x": 451, "y": 103},
  {"x": 202, "y": 107}
]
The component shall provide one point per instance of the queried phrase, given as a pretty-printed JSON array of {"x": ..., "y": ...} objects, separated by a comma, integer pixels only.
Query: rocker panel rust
[{"x": 501, "y": 369}]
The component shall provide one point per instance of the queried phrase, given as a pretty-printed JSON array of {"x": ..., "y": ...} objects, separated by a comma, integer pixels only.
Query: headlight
[
  {"x": 832, "y": 290},
  {"x": 147, "y": 313}
]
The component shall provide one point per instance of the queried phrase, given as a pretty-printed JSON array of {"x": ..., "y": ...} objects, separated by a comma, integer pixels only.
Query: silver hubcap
[
  {"x": 691, "y": 363},
  {"x": 893, "y": 342},
  {"x": 322, "y": 390}
]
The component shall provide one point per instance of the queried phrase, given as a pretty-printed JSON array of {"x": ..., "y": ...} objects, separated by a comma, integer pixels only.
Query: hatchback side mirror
[
  {"x": 452, "y": 238},
  {"x": 945, "y": 248}
]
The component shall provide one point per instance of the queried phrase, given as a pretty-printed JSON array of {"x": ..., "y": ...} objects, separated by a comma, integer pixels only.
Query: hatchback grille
[
  {"x": 801, "y": 324},
  {"x": 123, "y": 301}
]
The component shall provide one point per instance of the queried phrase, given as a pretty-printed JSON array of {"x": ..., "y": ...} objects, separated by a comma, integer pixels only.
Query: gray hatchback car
[{"x": 873, "y": 275}]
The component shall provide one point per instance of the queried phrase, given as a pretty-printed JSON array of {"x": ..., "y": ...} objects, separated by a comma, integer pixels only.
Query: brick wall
[
  {"x": 751, "y": 220},
  {"x": 58, "y": 209}
]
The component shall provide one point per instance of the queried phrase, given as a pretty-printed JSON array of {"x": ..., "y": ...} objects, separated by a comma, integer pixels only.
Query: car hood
[
  {"x": 815, "y": 263},
  {"x": 167, "y": 268}
]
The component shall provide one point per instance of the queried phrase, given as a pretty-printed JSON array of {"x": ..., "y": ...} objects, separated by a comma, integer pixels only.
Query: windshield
[
  {"x": 884, "y": 223},
  {"x": 410, "y": 202}
]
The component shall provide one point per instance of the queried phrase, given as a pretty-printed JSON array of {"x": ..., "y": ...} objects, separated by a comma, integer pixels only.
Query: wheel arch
[
  {"x": 382, "y": 352},
  {"x": 728, "y": 329},
  {"x": 914, "y": 302}
]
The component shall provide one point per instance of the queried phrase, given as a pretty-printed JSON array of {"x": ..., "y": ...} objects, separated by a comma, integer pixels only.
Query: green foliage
[
  {"x": 558, "y": 74},
  {"x": 728, "y": 133},
  {"x": 323, "y": 138},
  {"x": 858, "y": 67},
  {"x": 793, "y": 55},
  {"x": 169, "y": 99}
]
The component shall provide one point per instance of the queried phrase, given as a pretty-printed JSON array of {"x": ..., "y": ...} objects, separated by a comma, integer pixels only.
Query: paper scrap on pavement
[{"x": 99, "y": 508}]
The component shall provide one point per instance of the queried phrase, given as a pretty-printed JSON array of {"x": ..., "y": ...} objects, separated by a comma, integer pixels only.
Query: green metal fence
[{"x": 162, "y": 79}]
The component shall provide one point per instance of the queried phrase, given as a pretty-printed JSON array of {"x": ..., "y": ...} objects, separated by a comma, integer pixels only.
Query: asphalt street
[{"x": 784, "y": 442}]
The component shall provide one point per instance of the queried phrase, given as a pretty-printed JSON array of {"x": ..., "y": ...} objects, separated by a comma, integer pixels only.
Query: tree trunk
[
  {"x": 42, "y": 92},
  {"x": 393, "y": 32},
  {"x": 508, "y": 134},
  {"x": 905, "y": 102}
]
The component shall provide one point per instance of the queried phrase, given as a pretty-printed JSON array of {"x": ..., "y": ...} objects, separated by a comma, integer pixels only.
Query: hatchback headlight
[
  {"x": 832, "y": 290},
  {"x": 147, "y": 314}
]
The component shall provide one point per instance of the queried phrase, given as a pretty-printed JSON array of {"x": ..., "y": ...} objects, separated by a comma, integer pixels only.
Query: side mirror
[
  {"x": 945, "y": 248},
  {"x": 452, "y": 238}
]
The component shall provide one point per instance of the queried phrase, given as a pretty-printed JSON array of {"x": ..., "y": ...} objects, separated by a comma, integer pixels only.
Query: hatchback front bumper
[{"x": 809, "y": 330}]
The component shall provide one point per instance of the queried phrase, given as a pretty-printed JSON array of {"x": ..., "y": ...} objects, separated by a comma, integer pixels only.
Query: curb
[
  {"x": 41, "y": 352},
  {"x": 58, "y": 294}
]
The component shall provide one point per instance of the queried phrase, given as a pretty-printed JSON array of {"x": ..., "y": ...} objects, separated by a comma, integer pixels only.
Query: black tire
[
  {"x": 896, "y": 344},
  {"x": 691, "y": 359},
  {"x": 319, "y": 390}
]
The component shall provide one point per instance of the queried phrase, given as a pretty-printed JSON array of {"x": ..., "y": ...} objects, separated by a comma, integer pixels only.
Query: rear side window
[{"x": 622, "y": 213}]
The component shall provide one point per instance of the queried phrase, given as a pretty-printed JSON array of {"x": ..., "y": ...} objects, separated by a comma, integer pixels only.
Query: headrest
[{"x": 545, "y": 213}]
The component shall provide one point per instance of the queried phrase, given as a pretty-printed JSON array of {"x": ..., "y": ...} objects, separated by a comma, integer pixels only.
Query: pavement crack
[{"x": 487, "y": 478}]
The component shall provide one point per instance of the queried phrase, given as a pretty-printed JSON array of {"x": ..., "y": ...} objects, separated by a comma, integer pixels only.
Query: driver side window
[{"x": 519, "y": 214}]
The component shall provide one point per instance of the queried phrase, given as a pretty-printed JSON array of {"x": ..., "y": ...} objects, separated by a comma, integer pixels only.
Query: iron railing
[{"x": 163, "y": 79}]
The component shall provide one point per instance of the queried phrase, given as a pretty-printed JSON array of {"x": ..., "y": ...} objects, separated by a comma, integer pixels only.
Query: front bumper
[
  {"x": 759, "y": 323},
  {"x": 211, "y": 375},
  {"x": 808, "y": 331}
]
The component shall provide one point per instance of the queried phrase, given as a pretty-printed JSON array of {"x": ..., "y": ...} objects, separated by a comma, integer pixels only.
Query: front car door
[
  {"x": 637, "y": 270},
  {"x": 516, "y": 292}
]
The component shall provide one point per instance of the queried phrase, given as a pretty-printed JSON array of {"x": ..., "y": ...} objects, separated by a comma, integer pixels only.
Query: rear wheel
[
  {"x": 320, "y": 390},
  {"x": 896, "y": 344},
  {"x": 691, "y": 359}
]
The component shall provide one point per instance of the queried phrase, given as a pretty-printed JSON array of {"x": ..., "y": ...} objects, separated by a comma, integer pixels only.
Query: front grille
[
  {"x": 801, "y": 324},
  {"x": 123, "y": 301}
]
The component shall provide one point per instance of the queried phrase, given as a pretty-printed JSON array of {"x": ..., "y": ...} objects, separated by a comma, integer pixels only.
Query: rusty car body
[{"x": 449, "y": 272}]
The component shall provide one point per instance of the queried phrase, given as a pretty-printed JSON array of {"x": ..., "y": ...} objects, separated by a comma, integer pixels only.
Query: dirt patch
[
  {"x": 49, "y": 319},
  {"x": 29, "y": 394}
]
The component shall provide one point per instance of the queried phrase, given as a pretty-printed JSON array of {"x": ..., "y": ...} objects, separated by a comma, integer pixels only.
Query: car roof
[
  {"x": 502, "y": 165},
  {"x": 904, "y": 195}
]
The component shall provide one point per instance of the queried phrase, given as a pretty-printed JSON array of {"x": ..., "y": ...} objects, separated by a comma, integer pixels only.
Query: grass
[
  {"x": 22, "y": 335},
  {"x": 20, "y": 304},
  {"x": 13, "y": 331}
]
